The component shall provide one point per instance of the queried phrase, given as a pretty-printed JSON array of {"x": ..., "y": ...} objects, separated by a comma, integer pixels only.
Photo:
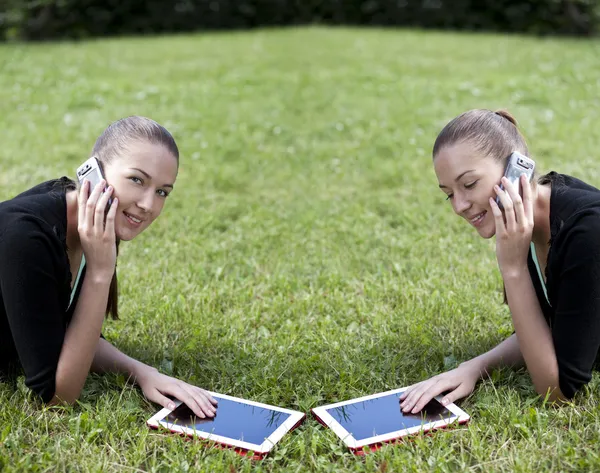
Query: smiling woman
[
  {"x": 548, "y": 252},
  {"x": 58, "y": 248}
]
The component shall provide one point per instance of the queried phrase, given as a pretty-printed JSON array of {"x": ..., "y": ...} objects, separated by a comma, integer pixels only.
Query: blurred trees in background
[{"x": 50, "y": 19}]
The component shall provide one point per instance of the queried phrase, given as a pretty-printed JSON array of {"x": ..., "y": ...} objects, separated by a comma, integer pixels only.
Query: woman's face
[
  {"x": 468, "y": 178},
  {"x": 142, "y": 176}
]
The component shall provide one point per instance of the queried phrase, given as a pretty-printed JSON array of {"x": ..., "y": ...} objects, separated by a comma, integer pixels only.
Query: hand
[
  {"x": 98, "y": 239},
  {"x": 157, "y": 386},
  {"x": 513, "y": 228},
  {"x": 459, "y": 381}
]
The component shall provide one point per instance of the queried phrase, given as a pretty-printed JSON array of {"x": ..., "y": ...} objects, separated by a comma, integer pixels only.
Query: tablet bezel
[
  {"x": 293, "y": 421},
  {"x": 329, "y": 421}
]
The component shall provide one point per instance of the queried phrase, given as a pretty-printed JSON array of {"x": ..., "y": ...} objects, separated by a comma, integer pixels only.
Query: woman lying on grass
[
  {"x": 548, "y": 251},
  {"x": 50, "y": 319}
]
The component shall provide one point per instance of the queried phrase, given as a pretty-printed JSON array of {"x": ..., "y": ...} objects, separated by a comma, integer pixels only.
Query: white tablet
[
  {"x": 251, "y": 428},
  {"x": 372, "y": 420}
]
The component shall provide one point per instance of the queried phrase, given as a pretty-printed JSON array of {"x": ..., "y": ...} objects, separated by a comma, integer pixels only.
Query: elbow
[
  {"x": 551, "y": 392},
  {"x": 62, "y": 400},
  {"x": 65, "y": 394}
]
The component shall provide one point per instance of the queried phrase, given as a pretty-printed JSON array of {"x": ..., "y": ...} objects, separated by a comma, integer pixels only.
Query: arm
[
  {"x": 514, "y": 228},
  {"x": 506, "y": 353},
  {"x": 55, "y": 360},
  {"x": 461, "y": 381},
  {"x": 81, "y": 337},
  {"x": 533, "y": 333},
  {"x": 157, "y": 387}
]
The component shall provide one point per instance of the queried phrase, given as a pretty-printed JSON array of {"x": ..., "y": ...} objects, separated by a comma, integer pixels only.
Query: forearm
[
  {"x": 507, "y": 353},
  {"x": 533, "y": 333},
  {"x": 109, "y": 359},
  {"x": 81, "y": 339}
]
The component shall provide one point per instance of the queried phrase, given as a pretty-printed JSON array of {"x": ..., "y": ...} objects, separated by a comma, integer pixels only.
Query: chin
[
  {"x": 125, "y": 235},
  {"x": 486, "y": 233}
]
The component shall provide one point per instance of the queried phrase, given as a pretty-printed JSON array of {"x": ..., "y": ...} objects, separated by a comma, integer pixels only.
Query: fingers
[
  {"x": 84, "y": 191},
  {"x": 197, "y": 400},
  {"x": 498, "y": 218},
  {"x": 513, "y": 192},
  {"x": 90, "y": 205},
  {"x": 206, "y": 394},
  {"x": 414, "y": 396},
  {"x": 507, "y": 204},
  {"x": 426, "y": 393},
  {"x": 100, "y": 211},
  {"x": 405, "y": 394},
  {"x": 527, "y": 198},
  {"x": 109, "y": 227},
  {"x": 461, "y": 391},
  {"x": 161, "y": 399}
]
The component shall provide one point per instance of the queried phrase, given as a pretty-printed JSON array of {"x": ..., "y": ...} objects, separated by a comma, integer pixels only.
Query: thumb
[
  {"x": 158, "y": 398},
  {"x": 460, "y": 392}
]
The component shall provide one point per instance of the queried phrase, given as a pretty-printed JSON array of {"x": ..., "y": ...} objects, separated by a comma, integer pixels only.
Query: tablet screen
[
  {"x": 382, "y": 415},
  {"x": 234, "y": 420}
]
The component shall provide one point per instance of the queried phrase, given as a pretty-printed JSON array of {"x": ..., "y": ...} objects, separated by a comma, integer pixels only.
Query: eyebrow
[
  {"x": 441, "y": 186},
  {"x": 148, "y": 176}
]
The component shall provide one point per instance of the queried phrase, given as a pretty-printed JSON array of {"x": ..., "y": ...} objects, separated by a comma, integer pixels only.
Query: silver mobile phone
[
  {"x": 92, "y": 171},
  {"x": 517, "y": 164}
]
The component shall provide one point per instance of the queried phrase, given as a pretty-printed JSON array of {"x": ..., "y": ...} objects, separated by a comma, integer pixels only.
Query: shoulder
[
  {"x": 570, "y": 194},
  {"x": 574, "y": 208},
  {"x": 38, "y": 214},
  {"x": 579, "y": 237}
]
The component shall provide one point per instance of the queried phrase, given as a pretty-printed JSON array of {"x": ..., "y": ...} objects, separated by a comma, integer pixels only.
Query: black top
[
  {"x": 572, "y": 279},
  {"x": 35, "y": 283}
]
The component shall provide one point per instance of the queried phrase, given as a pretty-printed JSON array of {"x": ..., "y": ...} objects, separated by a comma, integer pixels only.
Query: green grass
[{"x": 306, "y": 255}]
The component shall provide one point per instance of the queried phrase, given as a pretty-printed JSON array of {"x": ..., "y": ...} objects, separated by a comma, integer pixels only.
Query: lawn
[{"x": 306, "y": 255}]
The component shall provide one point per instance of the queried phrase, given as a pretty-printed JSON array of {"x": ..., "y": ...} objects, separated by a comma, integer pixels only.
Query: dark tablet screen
[
  {"x": 382, "y": 415},
  {"x": 234, "y": 420}
]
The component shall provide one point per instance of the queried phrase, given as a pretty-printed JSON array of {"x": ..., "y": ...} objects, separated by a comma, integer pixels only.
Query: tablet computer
[
  {"x": 370, "y": 421},
  {"x": 249, "y": 427}
]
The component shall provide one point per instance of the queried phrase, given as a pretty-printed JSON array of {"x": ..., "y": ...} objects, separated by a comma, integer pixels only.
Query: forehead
[
  {"x": 452, "y": 161},
  {"x": 154, "y": 159}
]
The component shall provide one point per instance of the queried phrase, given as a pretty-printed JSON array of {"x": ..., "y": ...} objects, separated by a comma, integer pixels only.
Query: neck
[
  {"x": 73, "y": 241},
  {"x": 541, "y": 216}
]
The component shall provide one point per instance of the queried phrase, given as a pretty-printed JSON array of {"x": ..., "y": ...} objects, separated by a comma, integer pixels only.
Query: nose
[
  {"x": 146, "y": 201},
  {"x": 460, "y": 204}
]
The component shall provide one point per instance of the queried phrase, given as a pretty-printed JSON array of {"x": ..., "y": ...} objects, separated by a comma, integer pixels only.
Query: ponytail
[
  {"x": 112, "y": 306},
  {"x": 506, "y": 114}
]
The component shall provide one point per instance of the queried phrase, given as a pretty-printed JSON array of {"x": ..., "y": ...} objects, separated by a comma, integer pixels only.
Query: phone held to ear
[
  {"x": 92, "y": 171},
  {"x": 517, "y": 164}
]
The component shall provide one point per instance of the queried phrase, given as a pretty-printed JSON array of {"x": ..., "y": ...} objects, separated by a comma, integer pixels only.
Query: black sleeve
[
  {"x": 576, "y": 325},
  {"x": 31, "y": 288}
]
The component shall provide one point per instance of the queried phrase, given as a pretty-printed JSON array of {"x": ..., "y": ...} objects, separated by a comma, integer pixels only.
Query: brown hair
[
  {"x": 495, "y": 134},
  {"x": 114, "y": 141}
]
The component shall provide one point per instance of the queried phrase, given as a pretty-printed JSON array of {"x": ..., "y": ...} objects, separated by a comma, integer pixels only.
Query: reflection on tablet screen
[
  {"x": 234, "y": 420},
  {"x": 382, "y": 415}
]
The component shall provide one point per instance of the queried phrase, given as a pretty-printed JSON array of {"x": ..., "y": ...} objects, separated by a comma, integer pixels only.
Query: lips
[
  {"x": 477, "y": 219},
  {"x": 133, "y": 218}
]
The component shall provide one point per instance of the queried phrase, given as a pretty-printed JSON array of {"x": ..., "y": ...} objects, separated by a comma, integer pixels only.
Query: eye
[
  {"x": 471, "y": 184},
  {"x": 136, "y": 180},
  {"x": 449, "y": 196},
  {"x": 162, "y": 193}
]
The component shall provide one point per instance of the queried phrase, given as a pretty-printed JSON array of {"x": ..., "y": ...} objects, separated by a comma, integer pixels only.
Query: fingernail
[
  {"x": 171, "y": 406},
  {"x": 444, "y": 401}
]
